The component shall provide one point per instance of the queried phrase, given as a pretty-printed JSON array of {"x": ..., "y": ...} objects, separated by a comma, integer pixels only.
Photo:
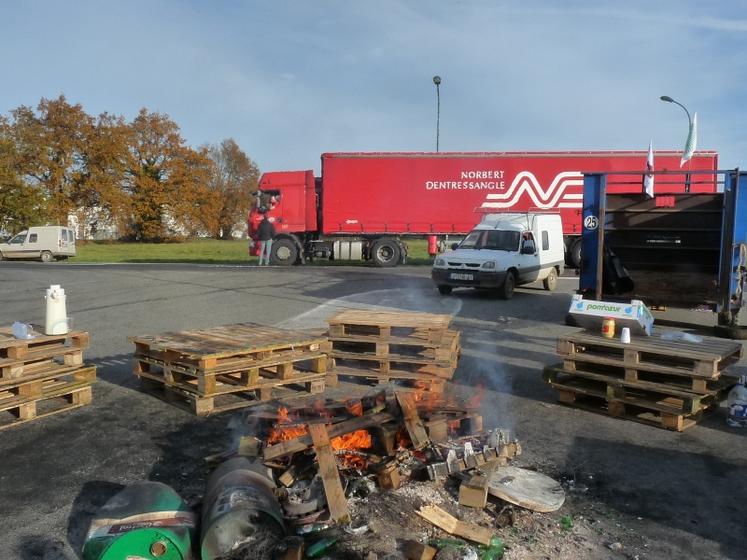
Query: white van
[
  {"x": 502, "y": 252},
  {"x": 44, "y": 242}
]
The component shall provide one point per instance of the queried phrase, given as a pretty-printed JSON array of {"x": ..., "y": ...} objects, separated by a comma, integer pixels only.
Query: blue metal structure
[{"x": 699, "y": 238}]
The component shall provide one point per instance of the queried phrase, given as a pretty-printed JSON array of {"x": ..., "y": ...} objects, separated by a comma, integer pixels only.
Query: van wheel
[
  {"x": 46, "y": 256},
  {"x": 507, "y": 289},
  {"x": 444, "y": 290},
  {"x": 551, "y": 282},
  {"x": 385, "y": 253}
]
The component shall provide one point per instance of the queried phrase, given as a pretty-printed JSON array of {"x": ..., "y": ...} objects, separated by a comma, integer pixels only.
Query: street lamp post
[
  {"x": 668, "y": 99},
  {"x": 437, "y": 81}
]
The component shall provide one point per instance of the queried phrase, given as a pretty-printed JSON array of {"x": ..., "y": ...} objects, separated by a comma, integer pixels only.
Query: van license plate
[{"x": 461, "y": 276}]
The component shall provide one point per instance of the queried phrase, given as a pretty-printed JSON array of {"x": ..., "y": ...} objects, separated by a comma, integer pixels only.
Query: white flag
[
  {"x": 692, "y": 141},
  {"x": 648, "y": 178}
]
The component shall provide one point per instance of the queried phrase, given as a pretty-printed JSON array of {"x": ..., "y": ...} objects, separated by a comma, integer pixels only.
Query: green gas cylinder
[{"x": 145, "y": 521}]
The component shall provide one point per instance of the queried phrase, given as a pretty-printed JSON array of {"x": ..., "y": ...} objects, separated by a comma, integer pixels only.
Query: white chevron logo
[{"x": 555, "y": 196}]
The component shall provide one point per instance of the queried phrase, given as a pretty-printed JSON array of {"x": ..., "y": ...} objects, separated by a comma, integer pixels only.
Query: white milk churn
[{"x": 56, "y": 311}]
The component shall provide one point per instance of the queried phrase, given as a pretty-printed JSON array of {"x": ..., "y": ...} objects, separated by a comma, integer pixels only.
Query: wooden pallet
[
  {"x": 13, "y": 350},
  {"x": 276, "y": 372},
  {"x": 40, "y": 360},
  {"x": 54, "y": 399},
  {"x": 616, "y": 409},
  {"x": 229, "y": 347},
  {"x": 446, "y": 351},
  {"x": 675, "y": 412},
  {"x": 403, "y": 380},
  {"x": 39, "y": 384},
  {"x": 669, "y": 382},
  {"x": 427, "y": 327},
  {"x": 706, "y": 359},
  {"x": 391, "y": 367},
  {"x": 204, "y": 406}
]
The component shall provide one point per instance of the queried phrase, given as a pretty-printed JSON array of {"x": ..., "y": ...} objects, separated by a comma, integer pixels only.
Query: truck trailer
[{"x": 365, "y": 204}]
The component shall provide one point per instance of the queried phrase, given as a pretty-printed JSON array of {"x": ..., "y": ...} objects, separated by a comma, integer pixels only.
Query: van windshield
[
  {"x": 501, "y": 241},
  {"x": 470, "y": 242}
]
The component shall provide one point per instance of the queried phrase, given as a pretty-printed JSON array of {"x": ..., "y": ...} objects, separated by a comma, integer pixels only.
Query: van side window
[
  {"x": 32, "y": 238},
  {"x": 70, "y": 235},
  {"x": 64, "y": 235},
  {"x": 545, "y": 241}
]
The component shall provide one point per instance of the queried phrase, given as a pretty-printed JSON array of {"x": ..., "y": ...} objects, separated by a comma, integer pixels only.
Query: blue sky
[{"x": 290, "y": 80}]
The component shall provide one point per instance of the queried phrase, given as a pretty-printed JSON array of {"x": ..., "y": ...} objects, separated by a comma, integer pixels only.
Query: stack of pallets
[
  {"x": 42, "y": 376},
  {"x": 413, "y": 350},
  {"x": 229, "y": 367},
  {"x": 666, "y": 383}
]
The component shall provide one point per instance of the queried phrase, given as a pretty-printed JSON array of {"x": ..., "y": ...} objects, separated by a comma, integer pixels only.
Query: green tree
[{"x": 233, "y": 179}]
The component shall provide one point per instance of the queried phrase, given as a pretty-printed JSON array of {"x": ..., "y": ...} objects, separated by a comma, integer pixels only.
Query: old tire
[
  {"x": 551, "y": 282},
  {"x": 506, "y": 291},
  {"x": 46, "y": 256},
  {"x": 734, "y": 333},
  {"x": 575, "y": 253},
  {"x": 284, "y": 252},
  {"x": 385, "y": 253},
  {"x": 444, "y": 290}
]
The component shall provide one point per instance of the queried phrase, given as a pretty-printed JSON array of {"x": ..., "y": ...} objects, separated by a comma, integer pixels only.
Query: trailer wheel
[
  {"x": 46, "y": 256},
  {"x": 444, "y": 290},
  {"x": 551, "y": 282},
  {"x": 576, "y": 253},
  {"x": 386, "y": 253},
  {"x": 284, "y": 252},
  {"x": 506, "y": 291}
]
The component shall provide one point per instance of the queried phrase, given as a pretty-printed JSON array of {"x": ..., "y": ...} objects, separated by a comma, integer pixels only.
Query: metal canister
[
  {"x": 239, "y": 508},
  {"x": 145, "y": 521},
  {"x": 608, "y": 327}
]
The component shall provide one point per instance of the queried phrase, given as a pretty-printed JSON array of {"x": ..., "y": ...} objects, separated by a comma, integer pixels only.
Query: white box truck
[
  {"x": 42, "y": 242},
  {"x": 504, "y": 251}
]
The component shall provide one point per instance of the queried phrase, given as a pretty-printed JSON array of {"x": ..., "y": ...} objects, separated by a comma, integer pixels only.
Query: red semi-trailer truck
[{"x": 364, "y": 204}]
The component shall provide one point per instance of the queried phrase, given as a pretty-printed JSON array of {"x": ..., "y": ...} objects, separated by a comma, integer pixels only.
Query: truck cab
[{"x": 502, "y": 252}]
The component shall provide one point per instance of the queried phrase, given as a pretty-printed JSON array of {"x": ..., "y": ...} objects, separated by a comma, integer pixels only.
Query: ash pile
[{"x": 368, "y": 477}]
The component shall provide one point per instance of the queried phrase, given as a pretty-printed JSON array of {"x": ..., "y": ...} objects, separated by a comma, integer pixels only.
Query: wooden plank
[
  {"x": 338, "y": 505},
  {"x": 408, "y": 319},
  {"x": 453, "y": 526},
  {"x": 413, "y": 423},
  {"x": 228, "y": 341},
  {"x": 416, "y": 551}
]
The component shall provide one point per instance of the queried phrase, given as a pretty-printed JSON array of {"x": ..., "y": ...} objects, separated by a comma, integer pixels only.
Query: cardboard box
[{"x": 590, "y": 313}]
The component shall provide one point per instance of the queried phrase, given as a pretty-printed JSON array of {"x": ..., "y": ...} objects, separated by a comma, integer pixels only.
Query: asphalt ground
[{"x": 669, "y": 495}]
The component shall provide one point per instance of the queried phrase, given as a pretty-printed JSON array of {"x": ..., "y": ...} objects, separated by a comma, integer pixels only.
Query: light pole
[
  {"x": 437, "y": 81},
  {"x": 668, "y": 99}
]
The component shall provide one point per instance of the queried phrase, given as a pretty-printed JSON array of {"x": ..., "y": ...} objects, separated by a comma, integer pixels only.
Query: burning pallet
[
  {"x": 42, "y": 376},
  {"x": 322, "y": 451},
  {"x": 229, "y": 367},
  {"x": 412, "y": 350},
  {"x": 665, "y": 383}
]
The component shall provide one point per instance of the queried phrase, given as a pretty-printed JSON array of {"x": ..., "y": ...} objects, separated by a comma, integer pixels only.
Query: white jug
[{"x": 56, "y": 311}]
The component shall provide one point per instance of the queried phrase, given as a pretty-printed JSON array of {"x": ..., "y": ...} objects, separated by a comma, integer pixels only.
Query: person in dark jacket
[{"x": 265, "y": 233}]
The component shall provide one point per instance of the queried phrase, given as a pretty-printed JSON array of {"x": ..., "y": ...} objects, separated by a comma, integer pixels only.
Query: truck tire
[
  {"x": 575, "y": 253},
  {"x": 444, "y": 290},
  {"x": 551, "y": 282},
  {"x": 506, "y": 291},
  {"x": 46, "y": 256},
  {"x": 284, "y": 252},
  {"x": 386, "y": 253}
]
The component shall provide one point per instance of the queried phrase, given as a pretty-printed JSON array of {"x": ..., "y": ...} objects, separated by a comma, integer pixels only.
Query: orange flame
[
  {"x": 281, "y": 431},
  {"x": 359, "y": 439}
]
